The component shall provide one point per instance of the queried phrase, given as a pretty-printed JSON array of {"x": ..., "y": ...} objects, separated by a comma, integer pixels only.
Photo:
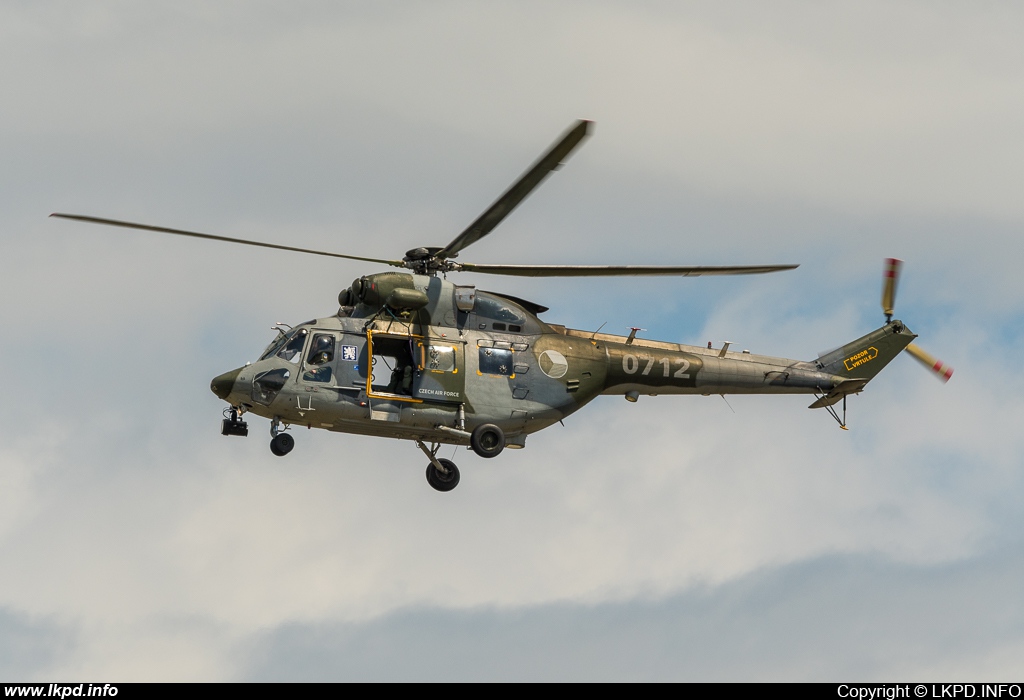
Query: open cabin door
[
  {"x": 441, "y": 371},
  {"x": 414, "y": 368},
  {"x": 390, "y": 366}
]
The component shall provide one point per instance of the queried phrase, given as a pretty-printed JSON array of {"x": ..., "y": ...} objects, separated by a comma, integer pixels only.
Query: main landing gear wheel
[
  {"x": 487, "y": 440},
  {"x": 282, "y": 444},
  {"x": 440, "y": 480}
]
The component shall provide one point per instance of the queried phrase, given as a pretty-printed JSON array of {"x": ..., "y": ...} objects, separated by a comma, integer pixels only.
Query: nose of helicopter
[{"x": 224, "y": 383}]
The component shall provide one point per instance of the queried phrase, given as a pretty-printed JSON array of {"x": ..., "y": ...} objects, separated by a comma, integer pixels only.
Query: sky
[{"x": 678, "y": 538}]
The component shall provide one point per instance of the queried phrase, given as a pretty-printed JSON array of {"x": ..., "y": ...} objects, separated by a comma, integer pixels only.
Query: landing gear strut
[
  {"x": 281, "y": 442},
  {"x": 442, "y": 474}
]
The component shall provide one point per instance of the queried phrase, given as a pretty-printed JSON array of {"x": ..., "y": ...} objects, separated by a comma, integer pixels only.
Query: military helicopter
[{"x": 414, "y": 356}]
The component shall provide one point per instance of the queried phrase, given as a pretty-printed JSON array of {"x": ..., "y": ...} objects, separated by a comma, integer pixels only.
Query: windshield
[{"x": 287, "y": 346}]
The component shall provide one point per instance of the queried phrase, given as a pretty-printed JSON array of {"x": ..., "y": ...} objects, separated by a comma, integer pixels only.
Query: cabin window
[
  {"x": 439, "y": 358},
  {"x": 498, "y": 326},
  {"x": 496, "y": 361}
]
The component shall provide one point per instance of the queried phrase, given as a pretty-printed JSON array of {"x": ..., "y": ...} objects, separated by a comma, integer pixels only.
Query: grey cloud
[
  {"x": 827, "y": 619},
  {"x": 29, "y": 644},
  {"x": 726, "y": 133}
]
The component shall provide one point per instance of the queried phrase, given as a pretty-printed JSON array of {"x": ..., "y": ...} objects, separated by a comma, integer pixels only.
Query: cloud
[
  {"x": 156, "y": 547},
  {"x": 825, "y": 618},
  {"x": 141, "y": 544},
  {"x": 29, "y": 645}
]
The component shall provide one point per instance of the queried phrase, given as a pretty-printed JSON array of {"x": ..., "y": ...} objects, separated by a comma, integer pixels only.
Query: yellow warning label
[{"x": 860, "y": 358}]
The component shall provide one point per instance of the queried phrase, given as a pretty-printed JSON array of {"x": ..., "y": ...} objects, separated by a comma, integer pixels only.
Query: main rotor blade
[
  {"x": 940, "y": 368},
  {"x": 520, "y": 190},
  {"x": 890, "y": 278},
  {"x": 619, "y": 270},
  {"x": 193, "y": 234}
]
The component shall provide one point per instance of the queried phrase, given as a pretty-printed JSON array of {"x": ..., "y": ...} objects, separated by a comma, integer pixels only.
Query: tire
[
  {"x": 443, "y": 482},
  {"x": 487, "y": 440},
  {"x": 282, "y": 444}
]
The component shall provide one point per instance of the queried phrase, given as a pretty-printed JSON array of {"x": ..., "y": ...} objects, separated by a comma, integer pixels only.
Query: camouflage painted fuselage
[{"x": 467, "y": 357}]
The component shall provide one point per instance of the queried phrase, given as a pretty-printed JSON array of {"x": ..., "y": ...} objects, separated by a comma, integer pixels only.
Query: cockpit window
[
  {"x": 319, "y": 374},
  {"x": 266, "y": 385},
  {"x": 274, "y": 346},
  {"x": 292, "y": 347},
  {"x": 321, "y": 350},
  {"x": 285, "y": 339}
]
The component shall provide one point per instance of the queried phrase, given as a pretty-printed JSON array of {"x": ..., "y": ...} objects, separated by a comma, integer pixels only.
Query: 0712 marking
[{"x": 631, "y": 363}]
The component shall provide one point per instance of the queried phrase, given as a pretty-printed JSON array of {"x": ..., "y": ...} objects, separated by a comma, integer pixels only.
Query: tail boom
[{"x": 643, "y": 367}]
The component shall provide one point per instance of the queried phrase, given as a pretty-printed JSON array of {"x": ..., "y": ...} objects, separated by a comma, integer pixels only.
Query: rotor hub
[{"x": 424, "y": 261}]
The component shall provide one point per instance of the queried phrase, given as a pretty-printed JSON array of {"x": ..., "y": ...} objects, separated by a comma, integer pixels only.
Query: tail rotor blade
[
  {"x": 891, "y": 277},
  {"x": 940, "y": 368}
]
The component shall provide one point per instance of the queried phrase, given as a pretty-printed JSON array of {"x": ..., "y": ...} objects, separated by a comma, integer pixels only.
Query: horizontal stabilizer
[{"x": 844, "y": 388}]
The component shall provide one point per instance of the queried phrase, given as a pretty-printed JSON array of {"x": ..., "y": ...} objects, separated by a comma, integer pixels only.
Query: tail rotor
[{"x": 890, "y": 280}]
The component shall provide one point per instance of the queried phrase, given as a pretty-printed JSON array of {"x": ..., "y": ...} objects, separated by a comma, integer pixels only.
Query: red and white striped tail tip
[
  {"x": 892, "y": 267},
  {"x": 940, "y": 368}
]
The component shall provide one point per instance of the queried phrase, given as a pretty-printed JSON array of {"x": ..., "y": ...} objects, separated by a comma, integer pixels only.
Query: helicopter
[{"x": 413, "y": 356}]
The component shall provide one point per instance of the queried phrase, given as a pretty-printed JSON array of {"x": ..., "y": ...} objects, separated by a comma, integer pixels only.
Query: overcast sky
[{"x": 673, "y": 539}]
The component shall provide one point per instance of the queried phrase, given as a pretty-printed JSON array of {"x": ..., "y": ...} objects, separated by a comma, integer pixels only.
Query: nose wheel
[
  {"x": 281, "y": 443},
  {"x": 442, "y": 474}
]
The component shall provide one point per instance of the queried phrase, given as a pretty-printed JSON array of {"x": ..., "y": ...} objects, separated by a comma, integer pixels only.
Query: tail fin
[{"x": 865, "y": 357}]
